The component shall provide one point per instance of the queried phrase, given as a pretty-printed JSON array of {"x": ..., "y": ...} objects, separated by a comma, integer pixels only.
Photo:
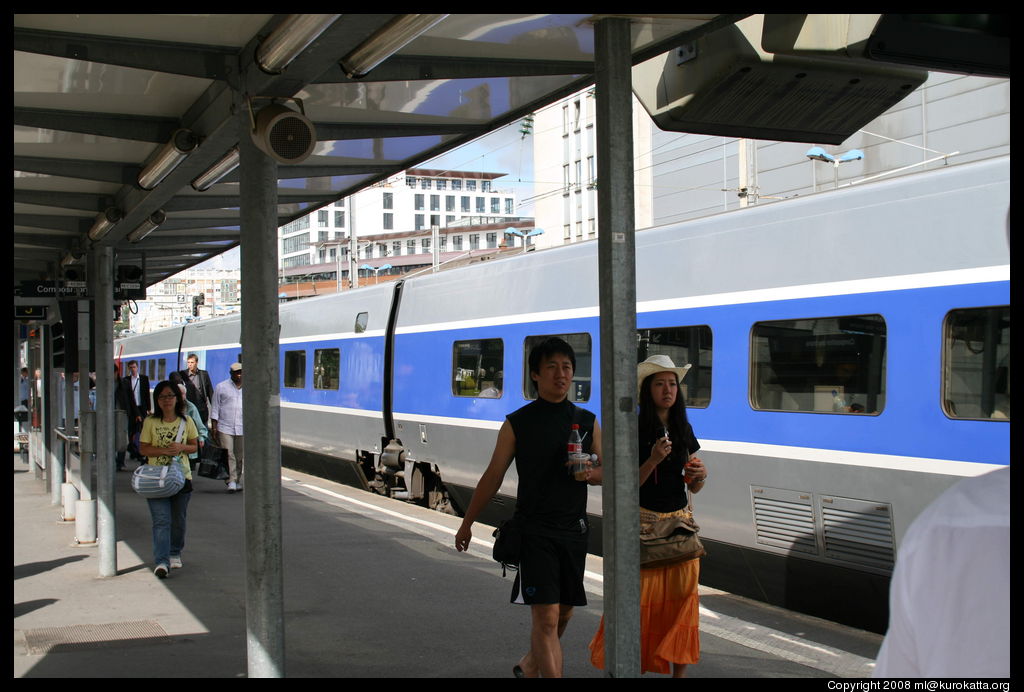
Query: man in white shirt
[
  {"x": 226, "y": 424},
  {"x": 949, "y": 603}
]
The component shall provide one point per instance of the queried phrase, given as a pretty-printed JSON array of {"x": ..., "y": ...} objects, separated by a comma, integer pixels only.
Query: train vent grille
[
  {"x": 784, "y": 519},
  {"x": 858, "y": 531}
]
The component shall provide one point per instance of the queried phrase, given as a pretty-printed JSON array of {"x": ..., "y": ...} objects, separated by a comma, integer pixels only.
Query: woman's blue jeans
[{"x": 168, "y": 514}]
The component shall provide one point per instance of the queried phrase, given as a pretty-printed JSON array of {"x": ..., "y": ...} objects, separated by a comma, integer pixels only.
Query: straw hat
[{"x": 655, "y": 364}]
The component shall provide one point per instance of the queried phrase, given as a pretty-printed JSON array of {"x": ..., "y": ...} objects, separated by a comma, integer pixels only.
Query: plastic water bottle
[
  {"x": 577, "y": 459},
  {"x": 838, "y": 404}
]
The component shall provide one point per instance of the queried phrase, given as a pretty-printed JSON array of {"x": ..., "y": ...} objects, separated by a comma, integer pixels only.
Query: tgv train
[{"x": 850, "y": 361}]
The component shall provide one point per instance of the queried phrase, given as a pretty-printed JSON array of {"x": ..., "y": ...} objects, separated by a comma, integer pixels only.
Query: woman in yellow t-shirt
[{"x": 162, "y": 445}]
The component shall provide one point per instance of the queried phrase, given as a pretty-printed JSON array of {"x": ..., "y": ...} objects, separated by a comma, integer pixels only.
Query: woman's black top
[{"x": 664, "y": 490}]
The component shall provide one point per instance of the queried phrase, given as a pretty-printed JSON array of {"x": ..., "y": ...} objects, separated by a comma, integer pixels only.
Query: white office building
[
  {"x": 411, "y": 201},
  {"x": 950, "y": 119}
]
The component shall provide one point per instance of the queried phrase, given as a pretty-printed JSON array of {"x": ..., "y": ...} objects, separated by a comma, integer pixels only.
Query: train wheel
[{"x": 437, "y": 496}]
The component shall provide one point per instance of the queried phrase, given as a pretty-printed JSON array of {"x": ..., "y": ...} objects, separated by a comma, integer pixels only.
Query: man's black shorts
[{"x": 551, "y": 571}]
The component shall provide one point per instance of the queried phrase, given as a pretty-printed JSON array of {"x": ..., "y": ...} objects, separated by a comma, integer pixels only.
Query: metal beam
[
  {"x": 85, "y": 201},
  {"x": 341, "y": 131},
  {"x": 286, "y": 196},
  {"x": 140, "y": 128},
  {"x": 431, "y": 67},
  {"x": 104, "y": 171},
  {"x": 56, "y": 222},
  {"x": 207, "y": 62}
]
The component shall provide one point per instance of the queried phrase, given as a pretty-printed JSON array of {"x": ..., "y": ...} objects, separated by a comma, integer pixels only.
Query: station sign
[{"x": 53, "y": 289}]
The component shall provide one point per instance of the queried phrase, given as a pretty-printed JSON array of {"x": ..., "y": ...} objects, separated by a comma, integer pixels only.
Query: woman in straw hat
[{"x": 669, "y": 470}]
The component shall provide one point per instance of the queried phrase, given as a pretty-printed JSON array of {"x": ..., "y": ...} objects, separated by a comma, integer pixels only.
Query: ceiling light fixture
[
  {"x": 104, "y": 222},
  {"x": 290, "y": 38},
  {"x": 391, "y": 38},
  {"x": 148, "y": 226},
  {"x": 183, "y": 142},
  {"x": 214, "y": 173}
]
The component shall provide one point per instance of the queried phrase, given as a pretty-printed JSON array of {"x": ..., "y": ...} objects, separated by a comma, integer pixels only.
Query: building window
[
  {"x": 449, "y": 219},
  {"x": 396, "y": 248},
  {"x": 424, "y": 183},
  {"x": 485, "y": 186},
  {"x": 470, "y": 186},
  {"x": 410, "y": 181},
  {"x": 410, "y": 247},
  {"x": 295, "y": 369},
  {"x": 388, "y": 222},
  {"x": 492, "y": 240},
  {"x": 425, "y": 244},
  {"x": 457, "y": 243},
  {"x": 478, "y": 368},
  {"x": 510, "y": 206},
  {"x": 823, "y": 365},
  {"x": 435, "y": 203},
  {"x": 466, "y": 204},
  {"x": 449, "y": 202},
  {"x": 419, "y": 202},
  {"x": 322, "y": 218},
  {"x": 495, "y": 205},
  {"x": 474, "y": 241},
  {"x": 481, "y": 205},
  {"x": 976, "y": 364},
  {"x": 442, "y": 184},
  {"x": 339, "y": 219},
  {"x": 420, "y": 220},
  {"x": 295, "y": 243},
  {"x": 389, "y": 200},
  {"x": 456, "y": 184}
]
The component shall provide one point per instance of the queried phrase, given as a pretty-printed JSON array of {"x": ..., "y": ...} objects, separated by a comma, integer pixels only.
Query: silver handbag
[{"x": 152, "y": 481}]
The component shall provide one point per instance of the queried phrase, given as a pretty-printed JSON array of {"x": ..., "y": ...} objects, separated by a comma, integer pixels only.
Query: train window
[
  {"x": 976, "y": 364},
  {"x": 162, "y": 369},
  {"x": 823, "y": 365},
  {"x": 581, "y": 345},
  {"x": 362, "y": 319},
  {"x": 326, "y": 368},
  {"x": 478, "y": 368},
  {"x": 295, "y": 369},
  {"x": 683, "y": 345},
  {"x": 151, "y": 364}
]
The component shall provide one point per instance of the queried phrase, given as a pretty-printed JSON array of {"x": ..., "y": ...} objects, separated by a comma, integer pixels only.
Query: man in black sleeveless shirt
[{"x": 551, "y": 503}]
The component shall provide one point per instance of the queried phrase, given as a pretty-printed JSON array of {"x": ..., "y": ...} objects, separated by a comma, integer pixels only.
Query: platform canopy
[{"x": 100, "y": 100}]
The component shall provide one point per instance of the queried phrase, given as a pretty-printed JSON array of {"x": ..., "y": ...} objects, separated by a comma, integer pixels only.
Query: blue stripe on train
[{"x": 911, "y": 423}]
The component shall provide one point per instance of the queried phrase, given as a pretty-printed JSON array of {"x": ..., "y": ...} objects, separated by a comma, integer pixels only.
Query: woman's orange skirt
[{"x": 669, "y": 607}]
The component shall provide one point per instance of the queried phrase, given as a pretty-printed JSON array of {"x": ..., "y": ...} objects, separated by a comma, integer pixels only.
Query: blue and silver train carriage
[{"x": 850, "y": 352}]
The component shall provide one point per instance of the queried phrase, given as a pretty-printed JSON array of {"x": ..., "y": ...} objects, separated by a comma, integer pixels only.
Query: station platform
[{"x": 373, "y": 588}]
